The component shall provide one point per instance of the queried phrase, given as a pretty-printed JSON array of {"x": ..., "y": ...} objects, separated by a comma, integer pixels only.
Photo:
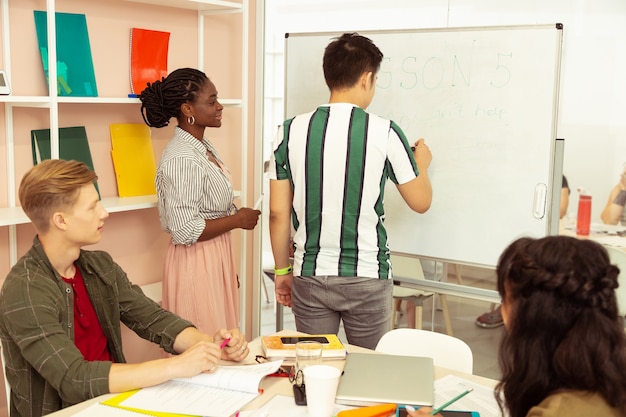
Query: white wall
[{"x": 592, "y": 116}]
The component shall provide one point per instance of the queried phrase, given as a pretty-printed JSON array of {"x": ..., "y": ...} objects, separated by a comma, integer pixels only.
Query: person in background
[
  {"x": 565, "y": 193},
  {"x": 493, "y": 318},
  {"x": 564, "y": 349},
  {"x": 614, "y": 212},
  {"x": 327, "y": 174},
  {"x": 195, "y": 200},
  {"x": 61, "y": 307}
]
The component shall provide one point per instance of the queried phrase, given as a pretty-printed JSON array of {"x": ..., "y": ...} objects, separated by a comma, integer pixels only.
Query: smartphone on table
[
  {"x": 401, "y": 412},
  {"x": 292, "y": 340}
]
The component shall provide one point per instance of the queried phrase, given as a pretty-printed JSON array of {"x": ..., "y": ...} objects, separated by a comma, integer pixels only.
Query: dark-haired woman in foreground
[
  {"x": 195, "y": 202},
  {"x": 564, "y": 351}
]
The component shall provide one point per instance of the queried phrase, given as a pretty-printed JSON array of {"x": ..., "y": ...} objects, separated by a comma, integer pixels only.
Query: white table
[{"x": 278, "y": 385}]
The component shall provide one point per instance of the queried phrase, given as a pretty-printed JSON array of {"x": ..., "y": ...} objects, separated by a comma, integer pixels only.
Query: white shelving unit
[{"x": 12, "y": 215}]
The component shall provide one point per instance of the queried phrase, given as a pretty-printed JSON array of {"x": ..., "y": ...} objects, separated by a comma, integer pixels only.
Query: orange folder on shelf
[
  {"x": 148, "y": 57},
  {"x": 133, "y": 159}
]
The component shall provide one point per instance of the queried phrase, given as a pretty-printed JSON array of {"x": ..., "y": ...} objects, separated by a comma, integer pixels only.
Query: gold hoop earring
[{"x": 191, "y": 120}]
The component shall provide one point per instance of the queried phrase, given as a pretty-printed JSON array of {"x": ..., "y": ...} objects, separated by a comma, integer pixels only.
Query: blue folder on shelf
[{"x": 75, "y": 74}]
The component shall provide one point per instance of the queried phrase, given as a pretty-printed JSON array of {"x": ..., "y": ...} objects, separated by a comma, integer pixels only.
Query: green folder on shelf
[
  {"x": 75, "y": 74},
  {"x": 73, "y": 145}
]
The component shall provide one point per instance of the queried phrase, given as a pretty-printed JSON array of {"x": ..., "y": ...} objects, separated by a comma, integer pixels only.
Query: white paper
[
  {"x": 244, "y": 378},
  {"x": 284, "y": 406},
  {"x": 101, "y": 410},
  {"x": 481, "y": 399},
  {"x": 233, "y": 387}
]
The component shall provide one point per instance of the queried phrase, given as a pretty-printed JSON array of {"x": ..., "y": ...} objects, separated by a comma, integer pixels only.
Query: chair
[
  {"x": 446, "y": 351},
  {"x": 411, "y": 267},
  {"x": 618, "y": 257}
]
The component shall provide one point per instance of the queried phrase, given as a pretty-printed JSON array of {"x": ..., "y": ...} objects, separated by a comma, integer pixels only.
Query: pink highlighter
[{"x": 224, "y": 343}]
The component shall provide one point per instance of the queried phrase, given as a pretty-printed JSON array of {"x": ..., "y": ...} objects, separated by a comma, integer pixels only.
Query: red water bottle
[{"x": 583, "y": 222}]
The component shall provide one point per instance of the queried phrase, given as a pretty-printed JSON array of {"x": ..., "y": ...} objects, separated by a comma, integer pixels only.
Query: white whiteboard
[{"x": 485, "y": 99}]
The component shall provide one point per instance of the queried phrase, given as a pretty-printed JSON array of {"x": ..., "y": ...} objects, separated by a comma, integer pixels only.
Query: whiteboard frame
[{"x": 552, "y": 197}]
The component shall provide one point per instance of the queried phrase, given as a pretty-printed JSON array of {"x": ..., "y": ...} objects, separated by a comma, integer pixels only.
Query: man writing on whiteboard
[{"x": 327, "y": 178}]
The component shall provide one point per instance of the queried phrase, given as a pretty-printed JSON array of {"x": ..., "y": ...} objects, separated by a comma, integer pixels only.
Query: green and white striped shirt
[{"x": 338, "y": 159}]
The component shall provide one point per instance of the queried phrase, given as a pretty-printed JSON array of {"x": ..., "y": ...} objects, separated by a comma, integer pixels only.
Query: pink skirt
[{"x": 200, "y": 284}]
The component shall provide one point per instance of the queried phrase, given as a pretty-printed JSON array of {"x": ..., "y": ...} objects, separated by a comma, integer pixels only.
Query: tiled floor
[{"x": 483, "y": 342}]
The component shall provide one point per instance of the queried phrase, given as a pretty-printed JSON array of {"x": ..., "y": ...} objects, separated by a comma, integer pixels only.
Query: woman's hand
[
  {"x": 235, "y": 347},
  {"x": 247, "y": 218}
]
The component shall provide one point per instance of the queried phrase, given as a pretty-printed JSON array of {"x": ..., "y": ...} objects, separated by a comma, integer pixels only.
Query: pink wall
[{"x": 134, "y": 238}]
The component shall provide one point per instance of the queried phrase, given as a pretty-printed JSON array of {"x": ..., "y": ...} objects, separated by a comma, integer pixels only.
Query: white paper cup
[{"x": 321, "y": 387}]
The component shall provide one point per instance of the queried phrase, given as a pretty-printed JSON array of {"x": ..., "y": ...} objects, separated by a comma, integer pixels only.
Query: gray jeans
[{"x": 364, "y": 305}]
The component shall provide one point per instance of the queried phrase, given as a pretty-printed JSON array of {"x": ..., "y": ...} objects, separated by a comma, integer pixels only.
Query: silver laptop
[{"x": 372, "y": 378}]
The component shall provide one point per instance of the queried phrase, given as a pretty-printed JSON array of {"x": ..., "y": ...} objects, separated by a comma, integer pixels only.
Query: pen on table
[
  {"x": 224, "y": 343},
  {"x": 458, "y": 397}
]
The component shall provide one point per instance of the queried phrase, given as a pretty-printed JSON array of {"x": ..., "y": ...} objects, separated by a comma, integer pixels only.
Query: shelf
[
  {"x": 118, "y": 204},
  {"x": 45, "y": 101},
  {"x": 202, "y": 5},
  {"x": 14, "y": 215},
  {"x": 26, "y": 101},
  {"x": 115, "y": 99},
  {"x": 154, "y": 291}
]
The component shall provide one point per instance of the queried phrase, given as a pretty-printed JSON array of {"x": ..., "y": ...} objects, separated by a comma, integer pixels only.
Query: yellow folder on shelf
[{"x": 133, "y": 159}]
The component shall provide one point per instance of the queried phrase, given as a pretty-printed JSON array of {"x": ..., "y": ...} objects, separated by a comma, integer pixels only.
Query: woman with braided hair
[
  {"x": 195, "y": 200},
  {"x": 564, "y": 349}
]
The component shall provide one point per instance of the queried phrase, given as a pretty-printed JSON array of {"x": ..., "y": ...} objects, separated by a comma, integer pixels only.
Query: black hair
[
  {"x": 347, "y": 57},
  {"x": 563, "y": 329},
  {"x": 161, "y": 100}
]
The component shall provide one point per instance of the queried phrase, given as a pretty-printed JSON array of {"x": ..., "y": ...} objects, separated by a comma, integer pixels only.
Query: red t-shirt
[{"x": 89, "y": 337}]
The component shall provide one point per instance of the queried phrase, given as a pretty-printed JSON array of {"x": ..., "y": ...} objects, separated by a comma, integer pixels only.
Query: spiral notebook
[{"x": 148, "y": 57}]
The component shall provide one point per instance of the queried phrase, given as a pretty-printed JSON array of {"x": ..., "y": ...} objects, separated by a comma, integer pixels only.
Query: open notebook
[{"x": 101, "y": 410}]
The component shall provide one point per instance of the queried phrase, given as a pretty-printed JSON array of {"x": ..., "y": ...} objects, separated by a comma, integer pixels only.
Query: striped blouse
[{"x": 191, "y": 188}]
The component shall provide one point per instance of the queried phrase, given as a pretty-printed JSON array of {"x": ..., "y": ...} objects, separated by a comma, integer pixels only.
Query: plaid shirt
[{"x": 44, "y": 368}]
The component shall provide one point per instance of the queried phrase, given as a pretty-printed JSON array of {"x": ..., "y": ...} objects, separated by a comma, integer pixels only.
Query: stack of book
[{"x": 280, "y": 346}]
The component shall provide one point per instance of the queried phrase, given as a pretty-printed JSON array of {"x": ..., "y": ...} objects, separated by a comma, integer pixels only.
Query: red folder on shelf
[{"x": 148, "y": 57}]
